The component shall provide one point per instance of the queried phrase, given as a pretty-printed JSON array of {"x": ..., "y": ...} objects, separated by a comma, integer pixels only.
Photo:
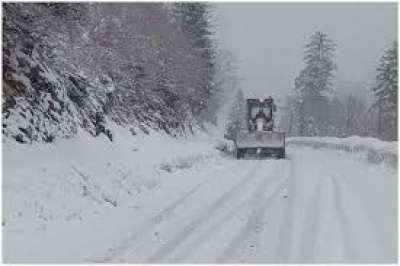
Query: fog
[{"x": 268, "y": 39}]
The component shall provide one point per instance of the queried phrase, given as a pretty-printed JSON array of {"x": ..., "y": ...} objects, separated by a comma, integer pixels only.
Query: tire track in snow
[
  {"x": 312, "y": 227},
  {"x": 249, "y": 235},
  {"x": 298, "y": 239},
  {"x": 282, "y": 189},
  {"x": 150, "y": 224},
  {"x": 347, "y": 249},
  {"x": 200, "y": 239},
  {"x": 206, "y": 214},
  {"x": 362, "y": 207},
  {"x": 351, "y": 235},
  {"x": 284, "y": 246},
  {"x": 343, "y": 234}
]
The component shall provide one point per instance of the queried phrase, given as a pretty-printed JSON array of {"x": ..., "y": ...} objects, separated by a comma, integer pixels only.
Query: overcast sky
[{"x": 269, "y": 39}]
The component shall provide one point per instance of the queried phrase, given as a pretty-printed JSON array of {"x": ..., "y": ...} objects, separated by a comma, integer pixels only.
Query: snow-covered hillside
[
  {"x": 158, "y": 199},
  {"x": 79, "y": 66}
]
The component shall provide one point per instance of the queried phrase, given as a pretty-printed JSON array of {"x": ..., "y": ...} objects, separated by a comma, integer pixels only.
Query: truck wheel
[
  {"x": 239, "y": 153},
  {"x": 282, "y": 153}
]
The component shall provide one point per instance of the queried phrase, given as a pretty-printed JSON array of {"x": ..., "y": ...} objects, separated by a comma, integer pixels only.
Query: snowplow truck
[{"x": 260, "y": 138}]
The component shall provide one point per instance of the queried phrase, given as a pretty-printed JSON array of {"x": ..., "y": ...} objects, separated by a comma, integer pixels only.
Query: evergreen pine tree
[
  {"x": 194, "y": 20},
  {"x": 314, "y": 83},
  {"x": 385, "y": 92}
]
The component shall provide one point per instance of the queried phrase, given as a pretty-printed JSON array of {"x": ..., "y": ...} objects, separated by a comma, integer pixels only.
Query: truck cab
[{"x": 260, "y": 114}]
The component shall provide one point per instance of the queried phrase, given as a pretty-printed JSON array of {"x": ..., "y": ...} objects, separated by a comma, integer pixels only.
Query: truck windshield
[{"x": 266, "y": 110}]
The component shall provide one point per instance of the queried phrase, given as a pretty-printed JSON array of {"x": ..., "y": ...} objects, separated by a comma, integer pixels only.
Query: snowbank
[
  {"x": 371, "y": 149},
  {"x": 70, "y": 189}
]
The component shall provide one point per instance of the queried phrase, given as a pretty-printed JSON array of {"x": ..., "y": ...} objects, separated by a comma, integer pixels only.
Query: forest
[{"x": 319, "y": 106}]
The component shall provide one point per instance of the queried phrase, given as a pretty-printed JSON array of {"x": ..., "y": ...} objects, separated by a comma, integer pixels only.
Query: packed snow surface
[{"x": 159, "y": 199}]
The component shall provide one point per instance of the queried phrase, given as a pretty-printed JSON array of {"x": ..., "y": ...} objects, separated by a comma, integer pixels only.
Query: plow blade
[{"x": 261, "y": 144}]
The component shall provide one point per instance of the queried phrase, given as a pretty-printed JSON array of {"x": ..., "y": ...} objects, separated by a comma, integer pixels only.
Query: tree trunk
[{"x": 379, "y": 130}]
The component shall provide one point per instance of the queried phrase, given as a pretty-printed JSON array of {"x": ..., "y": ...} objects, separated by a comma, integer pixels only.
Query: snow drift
[{"x": 371, "y": 149}]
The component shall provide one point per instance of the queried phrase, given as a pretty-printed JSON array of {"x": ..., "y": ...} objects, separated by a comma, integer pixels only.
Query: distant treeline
[{"x": 317, "y": 108}]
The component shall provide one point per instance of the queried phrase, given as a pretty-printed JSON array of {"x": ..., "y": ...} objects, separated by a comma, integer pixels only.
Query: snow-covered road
[
  {"x": 313, "y": 207},
  {"x": 110, "y": 202}
]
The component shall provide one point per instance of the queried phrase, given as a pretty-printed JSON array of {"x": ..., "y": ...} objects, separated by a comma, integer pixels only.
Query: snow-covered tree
[
  {"x": 226, "y": 80},
  {"x": 194, "y": 19},
  {"x": 237, "y": 116},
  {"x": 311, "y": 129},
  {"x": 354, "y": 111},
  {"x": 385, "y": 92},
  {"x": 289, "y": 115},
  {"x": 314, "y": 84}
]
